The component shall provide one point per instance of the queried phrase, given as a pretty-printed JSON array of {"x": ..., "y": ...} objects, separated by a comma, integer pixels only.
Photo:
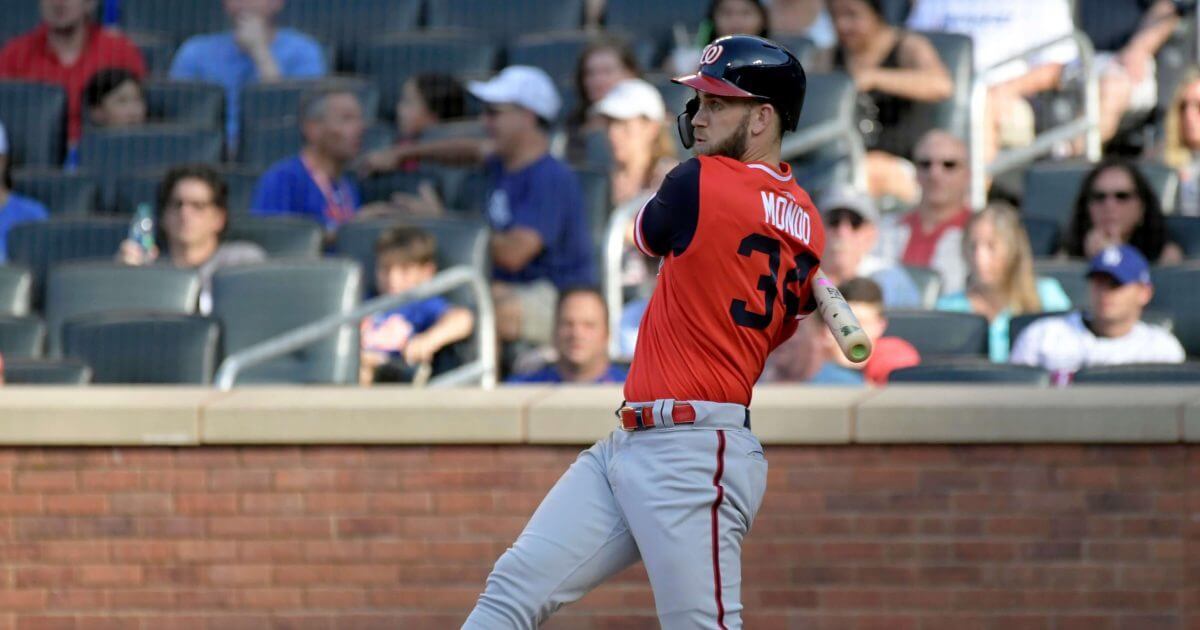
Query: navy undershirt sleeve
[{"x": 669, "y": 219}]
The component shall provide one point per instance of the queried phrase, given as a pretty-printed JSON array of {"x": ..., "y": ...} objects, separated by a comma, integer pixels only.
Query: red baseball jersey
[{"x": 740, "y": 243}]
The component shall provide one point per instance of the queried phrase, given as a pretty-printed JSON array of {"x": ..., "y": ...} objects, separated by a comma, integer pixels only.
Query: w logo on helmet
[{"x": 712, "y": 52}]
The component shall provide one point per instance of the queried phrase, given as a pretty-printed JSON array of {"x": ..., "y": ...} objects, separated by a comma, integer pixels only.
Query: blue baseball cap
[{"x": 1123, "y": 262}]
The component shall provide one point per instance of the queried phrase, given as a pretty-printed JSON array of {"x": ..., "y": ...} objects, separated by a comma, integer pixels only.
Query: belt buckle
[{"x": 638, "y": 417}]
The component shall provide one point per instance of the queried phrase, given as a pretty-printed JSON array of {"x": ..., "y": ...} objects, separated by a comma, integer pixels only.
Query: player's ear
[{"x": 762, "y": 118}]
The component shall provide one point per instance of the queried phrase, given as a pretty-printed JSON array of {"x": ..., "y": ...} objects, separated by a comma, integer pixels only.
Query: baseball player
[{"x": 678, "y": 484}]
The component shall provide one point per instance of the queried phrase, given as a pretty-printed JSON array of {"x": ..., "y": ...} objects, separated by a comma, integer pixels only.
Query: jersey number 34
[{"x": 769, "y": 283}]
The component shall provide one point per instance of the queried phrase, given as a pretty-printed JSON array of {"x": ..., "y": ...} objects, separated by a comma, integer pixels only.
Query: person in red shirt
[
  {"x": 67, "y": 49},
  {"x": 679, "y": 484}
]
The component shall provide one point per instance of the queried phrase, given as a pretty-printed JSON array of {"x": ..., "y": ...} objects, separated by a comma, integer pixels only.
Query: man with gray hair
[{"x": 315, "y": 183}]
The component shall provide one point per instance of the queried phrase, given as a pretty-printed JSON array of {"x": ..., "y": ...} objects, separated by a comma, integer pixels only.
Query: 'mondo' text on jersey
[{"x": 740, "y": 244}]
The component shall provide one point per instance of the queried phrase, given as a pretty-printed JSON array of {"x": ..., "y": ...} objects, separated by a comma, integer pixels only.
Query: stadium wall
[{"x": 324, "y": 508}]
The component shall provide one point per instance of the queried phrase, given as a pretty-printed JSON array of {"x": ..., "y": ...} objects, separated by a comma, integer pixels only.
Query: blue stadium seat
[
  {"x": 65, "y": 194},
  {"x": 257, "y": 302},
  {"x": 186, "y": 102},
  {"x": 265, "y": 144},
  {"x": 389, "y": 61},
  {"x": 1175, "y": 292},
  {"x": 157, "y": 50},
  {"x": 46, "y": 372},
  {"x": 20, "y": 17},
  {"x": 44, "y": 244},
  {"x": 91, "y": 288},
  {"x": 956, "y": 52},
  {"x": 653, "y": 20},
  {"x": 279, "y": 236},
  {"x": 1140, "y": 374},
  {"x": 21, "y": 337},
  {"x": 1071, "y": 274},
  {"x": 1186, "y": 232},
  {"x": 140, "y": 348},
  {"x": 459, "y": 242},
  {"x": 34, "y": 116},
  {"x": 16, "y": 289},
  {"x": 279, "y": 102},
  {"x": 506, "y": 20},
  {"x": 830, "y": 97},
  {"x": 109, "y": 152},
  {"x": 1044, "y": 236},
  {"x": 556, "y": 53},
  {"x": 1051, "y": 188},
  {"x": 597, "y": 203},
  {"x": 178, "y": 20},
  {"x": 971, "y": 374},
  {"x": 929, "y": 284},
  {"x": 939, "y": 334},
  {"x": 344, "y": 25}
]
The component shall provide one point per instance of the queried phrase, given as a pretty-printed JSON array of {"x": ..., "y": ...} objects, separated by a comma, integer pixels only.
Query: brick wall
[{"x": 1012, "y": 537}]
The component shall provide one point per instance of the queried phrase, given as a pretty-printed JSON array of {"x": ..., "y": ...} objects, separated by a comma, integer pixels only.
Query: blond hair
[
  {"x": 1019, "y": 287},
  {"x": 1175, "y": 153}
]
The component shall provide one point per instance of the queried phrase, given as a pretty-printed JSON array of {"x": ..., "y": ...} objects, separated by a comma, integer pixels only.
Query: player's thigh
[{"x": 690, "y": 496}]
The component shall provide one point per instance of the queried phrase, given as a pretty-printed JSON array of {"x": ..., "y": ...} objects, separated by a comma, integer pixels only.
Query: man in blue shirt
[
  {"x": 581, "y": 342},
  {"x": 315, "y": 183},
  {"x": 14, "y": 208},
  {"x": 253, "y": 51}
]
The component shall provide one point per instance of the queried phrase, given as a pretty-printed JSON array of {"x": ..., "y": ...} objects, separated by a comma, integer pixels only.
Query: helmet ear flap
[{"x": 687, "y": 133}]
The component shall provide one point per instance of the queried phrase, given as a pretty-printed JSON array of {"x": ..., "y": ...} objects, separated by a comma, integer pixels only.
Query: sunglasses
[
  {"x": 837, "y": 217},
  {"x": 1100, "y": 196},
  {"x": 948, "y": 165}
]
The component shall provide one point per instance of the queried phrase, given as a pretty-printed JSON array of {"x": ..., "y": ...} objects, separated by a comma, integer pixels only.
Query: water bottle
[{"x": 141, "y": 229}]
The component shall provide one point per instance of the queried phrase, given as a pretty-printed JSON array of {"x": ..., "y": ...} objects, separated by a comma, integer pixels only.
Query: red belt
[{"x": 635, "y": 419}]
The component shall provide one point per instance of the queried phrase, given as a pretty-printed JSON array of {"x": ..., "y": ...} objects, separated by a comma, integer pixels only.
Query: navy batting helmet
[{"x": 744, "y": 66}]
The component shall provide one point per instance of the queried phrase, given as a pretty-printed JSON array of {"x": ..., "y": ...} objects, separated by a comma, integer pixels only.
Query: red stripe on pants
[{"x": 716, "y": 530}]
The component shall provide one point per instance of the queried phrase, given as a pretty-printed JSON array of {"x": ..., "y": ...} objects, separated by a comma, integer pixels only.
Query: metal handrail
[
  {"x": 614, "y": 248},
  {"x": 482, "y": 370},
  {"x": 1087, "y": 125}
]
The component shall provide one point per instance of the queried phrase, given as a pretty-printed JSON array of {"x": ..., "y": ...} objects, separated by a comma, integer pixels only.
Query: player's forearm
[{"x": 455, "y": 325}]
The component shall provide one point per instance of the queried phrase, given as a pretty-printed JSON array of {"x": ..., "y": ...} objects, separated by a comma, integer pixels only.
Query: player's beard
[{"x": 734, "y": 146}]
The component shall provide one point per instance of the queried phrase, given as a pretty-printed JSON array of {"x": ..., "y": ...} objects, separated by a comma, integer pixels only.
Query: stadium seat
[
  {"x": 470, "y": 192},
  {"x": 20, "y": 16},
  {"x": 1043, "y": 234},
  {"x": 265, "y": 144},
  {"x": 939, "y": 334},
  {"x": 653, "y": 20},
  {"x": 280, "y": 236},
  {"x": 929, "y": 284},
  {"x": 16, "y": 288},
  {"x": 597, "y": 203},
  {"x": 90, "y": 288},
  {"x": 257, "y": 302},
  {"x": 1051, "y": 188},
  {"x": 277, "y": 103},
  {"x": 157, "y": 50},
  {"x": 241, "y": 181},
  {"x": 46, "y": 372},
  {"x": 1071, "y": 274},
  {"x": 109, "y": 152},
  {"x": 389, "y": 61},
  {"x": 675, "y": 96},
  {"x": 953, "y": 114},
  {"x": 381, "y": 187},
  {"x": 142, "y": 187},
  {"x": 41, "y": 245},
  {"x": 186, "y": 103},
  {"x": 505, "y": 21},
  {"x": 144, "y": 347},
  {"x": 178, "y": 20},
  {"x": 1140, "y": 374},
  {"x": 973, "y": 373},
  {"x": 342, "y": 25},
  {"x": 34, "y": 116},
  {"x": 21, "y": 337},
  {"x": 65, "y": 194},
  {"x": 556, "y": 53},
  {"x": 799, "y": 45},
  {"x": 1175, "y": 292},
  {"x": 459, "y": 242},
  {"x": 831, "y": 97},
  {"x": 1186, "y": 232}
]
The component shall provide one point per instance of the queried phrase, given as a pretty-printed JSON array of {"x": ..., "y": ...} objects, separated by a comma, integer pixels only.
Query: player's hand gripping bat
[{"x": 840, "y": 319}]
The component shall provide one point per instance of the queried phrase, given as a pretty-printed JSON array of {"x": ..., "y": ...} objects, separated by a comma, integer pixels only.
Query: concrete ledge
[
  {"x": 1191, "y": 421},
  {"x": 784, "y": 414},
  {"x": 574, "y": 414},
  {"x": 102, "y": 415},
  {"x": 387, "y": 415},
  {"x": 940, "y": 414}
]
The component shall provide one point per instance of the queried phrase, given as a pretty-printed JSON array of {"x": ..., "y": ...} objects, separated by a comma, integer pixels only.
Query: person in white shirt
[{"x": 1111, "y": 332}]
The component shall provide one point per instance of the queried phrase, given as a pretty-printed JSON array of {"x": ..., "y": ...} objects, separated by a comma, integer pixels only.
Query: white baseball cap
[
  {"x": 3, "y": 140},
  {"x": 632, "y": 98},
  {"x": 525, "y": 86}
]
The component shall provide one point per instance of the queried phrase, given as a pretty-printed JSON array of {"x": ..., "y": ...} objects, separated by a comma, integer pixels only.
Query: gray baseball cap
[{"x": 848, "y": 198}]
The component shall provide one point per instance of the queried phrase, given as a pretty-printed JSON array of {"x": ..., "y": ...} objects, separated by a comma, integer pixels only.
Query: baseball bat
[{"x": 840, "y": 319}]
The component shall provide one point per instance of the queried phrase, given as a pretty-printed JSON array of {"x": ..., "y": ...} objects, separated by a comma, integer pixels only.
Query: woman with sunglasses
[
  {"x": 1117, "y": 206},
  {"x": 1000, "y": 280}
]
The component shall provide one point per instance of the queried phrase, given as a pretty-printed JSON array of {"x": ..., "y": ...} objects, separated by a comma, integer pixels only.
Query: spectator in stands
[
  {"x": 931, "y": 234},
  {"x": 540, "y": 243},
  {"x": 1181, "y": 144},
  {"x": 1115, "y": 206},
  {"x": 315, "y": 183},
  {"x": 396, "y": 341},
  {"x": 1000, "y": 30},
  {"x": 426, "y": 100},
  {"x": 851, "y": 233},
  {"x": 580, "y": 341},
  {"x": 114, "y": 98},
  {"x": 605, "y": 62},
  {"x": 1000, "y": 280},
  {"x": 1127, "y": 34},
  {"x": 66, "y": 50},
  {"x": 1111, "y": 332},
  {"x": 802, "y": 18},
  {"x": 254, "y": 50},
  {"x": 725, "y": 17},
  {"x": 14, "y": 208},
  {"x": 893, "y": 69},
  {"x": 192, "y": 216}
]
